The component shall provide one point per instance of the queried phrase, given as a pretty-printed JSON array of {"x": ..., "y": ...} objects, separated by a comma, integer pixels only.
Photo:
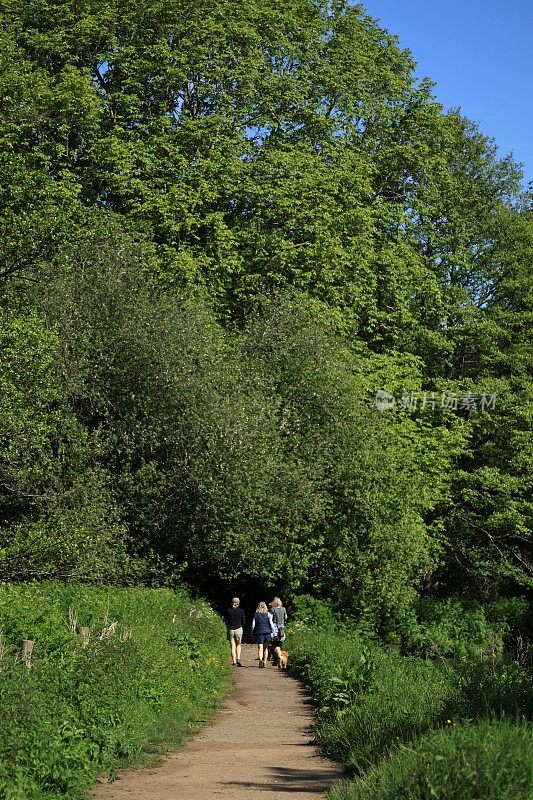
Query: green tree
[
  {"x": 237, "y": 223},
  {"x": 373, "y": 476},
  {"x": 186, "y": 430},
  {"x": 57, "y": 514},
  {"x": 489, "y": 521}
]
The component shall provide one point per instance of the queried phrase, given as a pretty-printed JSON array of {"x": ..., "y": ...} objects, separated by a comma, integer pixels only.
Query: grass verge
[{"x": 154, "y": 668}]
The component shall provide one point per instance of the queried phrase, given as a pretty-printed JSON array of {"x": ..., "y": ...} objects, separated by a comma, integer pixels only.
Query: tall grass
[
  {"x": 488, "y": 761},
  {"x": 418, "y": 729},
  {"x": 153, "y": 669},
  {"x": 369, "y": 698}
]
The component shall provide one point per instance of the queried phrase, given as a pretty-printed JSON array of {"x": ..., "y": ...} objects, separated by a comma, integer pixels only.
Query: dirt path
[{"x": 259, "y": 744}]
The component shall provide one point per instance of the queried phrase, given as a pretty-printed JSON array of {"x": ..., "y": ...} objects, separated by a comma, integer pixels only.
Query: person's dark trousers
[{"x": 271, "y": 654}]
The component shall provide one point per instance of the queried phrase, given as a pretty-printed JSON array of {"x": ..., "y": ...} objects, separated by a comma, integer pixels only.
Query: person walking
[
  {"x": 263, "y": 629},
  {"x": 235, "y": 619},
  {"x": 279, "y": 617}
]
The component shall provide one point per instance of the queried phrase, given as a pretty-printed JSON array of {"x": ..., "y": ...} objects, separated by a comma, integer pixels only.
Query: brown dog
[{"x": 282, "y": 656}]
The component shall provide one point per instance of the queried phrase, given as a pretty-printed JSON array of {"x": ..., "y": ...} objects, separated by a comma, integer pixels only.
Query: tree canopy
[{"x": 224, "y": 228}]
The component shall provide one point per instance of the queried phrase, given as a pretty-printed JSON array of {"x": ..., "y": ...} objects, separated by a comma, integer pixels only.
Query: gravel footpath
[{"x": 258, "y": 745}]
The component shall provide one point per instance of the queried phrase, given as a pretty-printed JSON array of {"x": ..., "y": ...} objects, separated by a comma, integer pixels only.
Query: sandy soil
[{"x": 258, "y": 745}]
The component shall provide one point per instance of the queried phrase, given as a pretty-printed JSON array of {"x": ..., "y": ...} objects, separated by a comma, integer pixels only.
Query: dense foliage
[
  {"x": 224, "y": 228},
  {"x": 415, "y": 728},
  {"x": 153, "y": 668}
]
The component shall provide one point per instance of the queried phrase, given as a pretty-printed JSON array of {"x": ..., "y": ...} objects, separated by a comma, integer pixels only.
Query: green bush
[
  {"x": 457, "y": 628},
  {"x": 405, "y": 698},
  {"x": 489, "y": 761},
  {"x": 370, "y": 700},
  {"x": 334, "y": 668},
  {"x": 154, "y": 667},
  {"x": 307, "y": 610}
]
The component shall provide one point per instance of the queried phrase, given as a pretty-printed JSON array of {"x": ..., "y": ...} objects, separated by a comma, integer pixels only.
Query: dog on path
[{"x": 282, "y": 657}]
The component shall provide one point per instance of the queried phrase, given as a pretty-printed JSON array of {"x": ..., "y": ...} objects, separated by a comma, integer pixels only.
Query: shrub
[
  {"x": 309, "y": 611},
  {"x": 458, "y": 628},
  {"x": 334, "y": 668},
  {"x": 489, "y": 761},
  {"x": 406, "y": 697}
]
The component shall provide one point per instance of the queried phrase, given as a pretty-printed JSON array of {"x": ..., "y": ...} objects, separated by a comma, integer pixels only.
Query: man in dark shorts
[{"x": 235, "y": 620}]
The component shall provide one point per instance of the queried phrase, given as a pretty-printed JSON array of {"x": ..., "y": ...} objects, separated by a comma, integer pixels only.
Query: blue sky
[{"x": 480, "y": 55}]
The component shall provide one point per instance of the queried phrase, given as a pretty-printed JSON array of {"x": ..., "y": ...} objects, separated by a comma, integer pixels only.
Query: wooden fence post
[
  {"x": 27, "y": 649},
  {"x": 85, "y": 634}
]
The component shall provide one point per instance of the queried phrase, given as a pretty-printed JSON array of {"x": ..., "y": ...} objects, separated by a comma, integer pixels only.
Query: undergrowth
[
  {"x": 153, "y": 669},
  {"x": 488, "y": 761},
  {"x": 409, "y": 728}
]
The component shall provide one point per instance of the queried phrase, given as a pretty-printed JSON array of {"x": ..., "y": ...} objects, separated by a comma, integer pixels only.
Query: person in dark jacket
[
  {"x": 263, "y": 630},
  {"x": 279, "y": 617},
  {"x": 235, "y": 620}
]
